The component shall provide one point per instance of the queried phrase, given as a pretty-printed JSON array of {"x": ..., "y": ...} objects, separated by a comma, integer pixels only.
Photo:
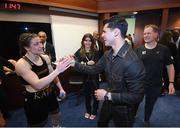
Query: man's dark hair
[{"x": 117, "y": 22}]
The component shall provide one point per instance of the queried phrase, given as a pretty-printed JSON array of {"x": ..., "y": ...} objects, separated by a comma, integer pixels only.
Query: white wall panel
[{"x": 67, "y": 33}]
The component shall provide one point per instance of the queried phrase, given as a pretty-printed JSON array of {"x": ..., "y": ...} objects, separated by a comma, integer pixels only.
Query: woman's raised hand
[{"x": 63, "y": 64}]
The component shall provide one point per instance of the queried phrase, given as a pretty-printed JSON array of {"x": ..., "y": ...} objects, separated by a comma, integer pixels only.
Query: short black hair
[{"x": 117, "y": 22}]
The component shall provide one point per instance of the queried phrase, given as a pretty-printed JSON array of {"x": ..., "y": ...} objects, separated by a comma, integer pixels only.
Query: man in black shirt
[{"x": 154, "y": 57}]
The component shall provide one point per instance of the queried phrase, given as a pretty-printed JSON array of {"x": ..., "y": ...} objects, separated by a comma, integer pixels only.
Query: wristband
[{"x": 171, "y": 82}]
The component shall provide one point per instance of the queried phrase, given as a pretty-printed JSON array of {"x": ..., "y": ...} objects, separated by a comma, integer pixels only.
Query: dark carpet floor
[{"x": 166, "y": 113}]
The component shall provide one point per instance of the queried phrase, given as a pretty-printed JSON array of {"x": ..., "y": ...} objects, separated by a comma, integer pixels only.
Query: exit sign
[{"x": 11, "y": 6}]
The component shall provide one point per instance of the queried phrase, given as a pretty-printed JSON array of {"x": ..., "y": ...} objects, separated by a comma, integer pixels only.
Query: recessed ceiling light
[{"x": 135, "y": 12}]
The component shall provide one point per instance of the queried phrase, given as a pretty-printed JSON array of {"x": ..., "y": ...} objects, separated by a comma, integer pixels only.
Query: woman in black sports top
[{"x": 37, "y": 74}]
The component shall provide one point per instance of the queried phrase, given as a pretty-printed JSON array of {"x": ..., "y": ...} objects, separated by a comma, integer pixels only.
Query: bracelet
[{"x": 171, "y": 82}]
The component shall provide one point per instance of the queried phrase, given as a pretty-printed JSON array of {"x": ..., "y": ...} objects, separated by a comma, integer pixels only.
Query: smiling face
[
  {"x": 108, "y": 35},
  {"x": 150, "y": 35},
  {"x": 87, "y": 43}
]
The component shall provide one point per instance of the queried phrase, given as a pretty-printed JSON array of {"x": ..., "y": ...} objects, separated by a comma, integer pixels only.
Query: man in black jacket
[
  {"x": 48, "y": 48},
  {"x": 125, "y": 75}
]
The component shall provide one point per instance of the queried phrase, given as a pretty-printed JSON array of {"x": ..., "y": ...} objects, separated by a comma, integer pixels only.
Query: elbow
[{"x": 37, "y": 87}]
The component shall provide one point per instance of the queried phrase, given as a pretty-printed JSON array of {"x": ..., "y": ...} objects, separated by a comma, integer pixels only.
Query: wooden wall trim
[
  {"x": 174, "y": 19},
  {"x": 164, "y": 19},
  {"x": 105, "y": 6},
  {"x": 102, "y": 17},
  {"x": 83, "y": 5}
]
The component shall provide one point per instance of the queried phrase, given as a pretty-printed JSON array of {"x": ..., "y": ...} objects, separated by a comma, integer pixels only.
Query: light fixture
[
  {"x": 135, "y": 13},
  {"x": 26, "y": 28}
]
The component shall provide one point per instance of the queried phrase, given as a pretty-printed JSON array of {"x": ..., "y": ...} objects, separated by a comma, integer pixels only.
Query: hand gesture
[
  {"x": 72, "y": 60},
  {"x": 100, "y": 93},
  {"x": 63, "y": 64},
  {"x": 62, "y": 93},
  {"x": 171, "y": 89},
  {"x": 82, "y": 62},
  {"x": 91, "y": 62}
]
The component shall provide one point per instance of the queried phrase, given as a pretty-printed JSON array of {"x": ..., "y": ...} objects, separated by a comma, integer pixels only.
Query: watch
[{"x": 106, "y": 96}]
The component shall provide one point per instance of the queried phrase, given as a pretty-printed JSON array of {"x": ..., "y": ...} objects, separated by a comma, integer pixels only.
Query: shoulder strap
[
  {"x": 44, "y": 60},
  {"x": 28, "y": 60}
]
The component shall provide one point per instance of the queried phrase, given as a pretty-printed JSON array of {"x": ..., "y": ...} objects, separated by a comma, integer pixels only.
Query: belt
[{"x": 39, "y": 94}]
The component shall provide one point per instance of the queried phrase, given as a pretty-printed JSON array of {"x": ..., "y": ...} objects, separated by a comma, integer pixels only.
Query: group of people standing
[{"x": 130, "y": 74}]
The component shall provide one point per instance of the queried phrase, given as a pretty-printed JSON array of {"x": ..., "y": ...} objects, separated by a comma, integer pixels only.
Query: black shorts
[{"x": 38, "y": 109}]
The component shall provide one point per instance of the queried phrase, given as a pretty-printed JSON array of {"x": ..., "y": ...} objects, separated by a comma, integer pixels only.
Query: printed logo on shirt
[
  {"x": 143, "y": 52},
  {"x": 157, "y": 52}
]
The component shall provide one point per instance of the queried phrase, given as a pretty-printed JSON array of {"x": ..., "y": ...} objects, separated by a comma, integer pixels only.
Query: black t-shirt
[{"x": 154, "y": 61}]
